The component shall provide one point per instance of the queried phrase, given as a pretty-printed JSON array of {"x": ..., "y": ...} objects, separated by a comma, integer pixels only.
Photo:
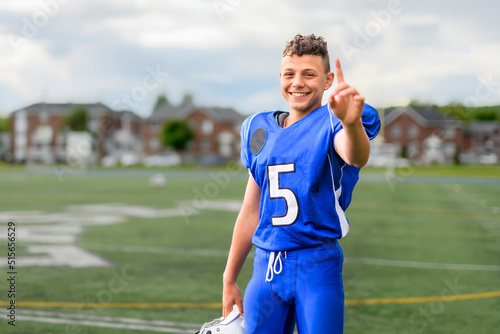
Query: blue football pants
[{"x": 302, "y": 287}]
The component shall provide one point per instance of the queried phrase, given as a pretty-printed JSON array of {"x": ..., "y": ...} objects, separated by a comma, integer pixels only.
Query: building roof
[
  {"x": 126, "y": 113},
  {"x": 483, "y": 127},
  {"x": 65, "y": 108},
  {"x": 427, "y": 116},
  {"x": 62, "y": 109},
  {"x": 223, "y": 114},
  {"x": 168, "y": 112},
  {"x": 164, "y": 112}
]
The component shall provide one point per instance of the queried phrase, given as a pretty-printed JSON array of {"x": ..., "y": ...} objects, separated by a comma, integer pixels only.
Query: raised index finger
[{"x": 340, "y": 74}]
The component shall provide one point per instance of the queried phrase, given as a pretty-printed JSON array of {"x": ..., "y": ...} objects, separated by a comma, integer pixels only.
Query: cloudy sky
[{"x": 227, "y": 52}]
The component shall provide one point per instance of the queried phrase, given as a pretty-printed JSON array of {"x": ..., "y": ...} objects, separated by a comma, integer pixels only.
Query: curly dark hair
[{"x": 308, "y": 45}]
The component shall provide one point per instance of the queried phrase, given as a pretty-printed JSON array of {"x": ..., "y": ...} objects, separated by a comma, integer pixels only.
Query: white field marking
[
  {"x": 426, "y": 265},
  {"x": 49, "y": 234},
  {"x": 110, "y": 319},
  {"x": 59, "y": 255},
  {"x": 60, "y": 231},
  {"x": 148, "y": 249},
  {"x": 79, "y": 218},
  {"x": 9, "y": 215},
  {"x": 93, "y": 323},
  {"x": 232, "y": 206},
  {"x": 130, "y": 210}
]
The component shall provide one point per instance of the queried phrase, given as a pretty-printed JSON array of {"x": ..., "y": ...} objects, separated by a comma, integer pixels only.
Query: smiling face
[{"x": 303, "y": 81}]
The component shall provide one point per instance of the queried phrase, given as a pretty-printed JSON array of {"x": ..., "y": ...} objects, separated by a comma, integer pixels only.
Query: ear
[{"x": 329, "y": 80}]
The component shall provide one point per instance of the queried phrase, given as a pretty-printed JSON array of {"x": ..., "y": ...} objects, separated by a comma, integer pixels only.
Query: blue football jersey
[{"x": 305, "y": 185}]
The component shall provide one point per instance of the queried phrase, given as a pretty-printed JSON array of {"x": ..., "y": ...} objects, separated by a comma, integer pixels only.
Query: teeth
[{"x": 299, "y": 94}]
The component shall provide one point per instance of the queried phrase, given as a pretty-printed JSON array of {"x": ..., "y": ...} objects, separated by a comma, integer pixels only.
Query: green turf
[
  {"x": 443, "y": 170},
  {"x": 438, "y": 223}
]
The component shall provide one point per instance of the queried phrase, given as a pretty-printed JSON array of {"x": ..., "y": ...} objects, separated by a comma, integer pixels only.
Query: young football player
[{"x": 303, "y": 167}]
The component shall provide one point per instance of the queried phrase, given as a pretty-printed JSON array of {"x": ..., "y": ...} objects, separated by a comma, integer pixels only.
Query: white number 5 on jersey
[{"x": 275, "y": 191}]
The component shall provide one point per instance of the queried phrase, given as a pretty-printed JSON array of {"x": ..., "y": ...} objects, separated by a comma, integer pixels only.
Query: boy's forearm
[
  {"x": 240, "y": 247},
  {"x": 244, "y": 228},
  {"x": 356, "y": 145}
]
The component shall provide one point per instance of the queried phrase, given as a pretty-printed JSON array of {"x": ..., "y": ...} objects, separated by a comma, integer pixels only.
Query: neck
[{"x": 296, "y": 115}]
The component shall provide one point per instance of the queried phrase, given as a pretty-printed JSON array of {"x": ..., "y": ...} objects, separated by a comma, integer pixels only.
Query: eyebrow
[{"x": 304, "y": 70}]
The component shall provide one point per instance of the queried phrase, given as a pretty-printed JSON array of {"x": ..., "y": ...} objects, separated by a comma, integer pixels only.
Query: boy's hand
[
  {"x": 345, "y": 101},
  {"x": 231, "y": 295}
]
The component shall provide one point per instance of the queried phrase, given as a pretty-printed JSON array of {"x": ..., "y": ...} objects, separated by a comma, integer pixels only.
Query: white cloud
[
  {"x": 31, "y": 69},
  {"x": 98, "y": 49},
  {"x": 17, "y": 7}
]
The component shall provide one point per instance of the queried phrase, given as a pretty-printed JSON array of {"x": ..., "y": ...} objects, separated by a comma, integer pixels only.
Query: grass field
[{"x": 407, "y": 240}]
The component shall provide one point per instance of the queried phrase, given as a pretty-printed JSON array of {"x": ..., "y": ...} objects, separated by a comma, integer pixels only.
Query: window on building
[
  {"x": 154, "y": 126},
  {"x": 237, "y": 127},
  {"x": 412, "y": 150},
  {"x": 206, "y": 145},
  {"x": 21, "y": 122},
  {"x": 154, "y": 143},
  {"x": 43, "y": 116},
  {"x": 225, "y": 140},
  {"x": 449, "y": 149},
  {"x": 395, "y": 131},
  {"x": 413, "y": 131},
  {"x": 449, "y": 133},
  {"x": 207, "y": 127}
]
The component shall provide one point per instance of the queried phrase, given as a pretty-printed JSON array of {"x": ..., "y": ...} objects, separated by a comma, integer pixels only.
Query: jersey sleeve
[
  {"x": 245, "y": 158},
  {"x": 371, "y": 121}
]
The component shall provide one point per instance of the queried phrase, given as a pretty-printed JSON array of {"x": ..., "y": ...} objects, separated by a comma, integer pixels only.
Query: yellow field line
[{"x": 409, "y": 300}]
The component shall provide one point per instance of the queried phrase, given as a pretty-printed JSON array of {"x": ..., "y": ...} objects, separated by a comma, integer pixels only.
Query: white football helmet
[{"x": 232, "y": 324}]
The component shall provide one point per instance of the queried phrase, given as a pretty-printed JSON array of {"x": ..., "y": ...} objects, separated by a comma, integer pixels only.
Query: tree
[
  {"x": 457, "y": 111},
  {"x": 176, "y": 134},
  {"x": 4, "y": 124},
  {"x": 404, "y": 152},
  {"x": 160, "y": 101},
  {"x": 420, "y": 104},
  {"x": 468, "y": 114},
  {"x": 486, "y": 115},
  {"x": 77, "y": 119}
]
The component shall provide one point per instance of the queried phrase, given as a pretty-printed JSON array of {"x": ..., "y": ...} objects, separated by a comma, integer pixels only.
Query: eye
[
  {"x": 288, "y": 74},
  {"x": 309, "y": 74}
]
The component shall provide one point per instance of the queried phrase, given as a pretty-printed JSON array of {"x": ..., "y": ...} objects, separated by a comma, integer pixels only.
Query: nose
[{"x": 298, "y": 82}]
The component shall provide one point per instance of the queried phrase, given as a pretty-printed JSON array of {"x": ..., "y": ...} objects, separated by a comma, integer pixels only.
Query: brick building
[
  {"x": 482, "y": 141},
  {"x": 217, "y": 130},
  {"x": 423, "y": 134},
  {"x": 38, "y": 132}
]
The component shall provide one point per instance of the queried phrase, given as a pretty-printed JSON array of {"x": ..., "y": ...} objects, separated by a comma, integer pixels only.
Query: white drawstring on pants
[{"x": 271, "y": 266}]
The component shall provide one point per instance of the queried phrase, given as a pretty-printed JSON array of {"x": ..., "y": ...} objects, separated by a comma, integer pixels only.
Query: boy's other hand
[
  {"x": 345, "y": 101},
  {"x": 231, "y": 295}
]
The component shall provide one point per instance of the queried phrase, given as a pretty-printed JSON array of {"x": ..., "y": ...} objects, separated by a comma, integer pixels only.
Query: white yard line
[
  {"x": 115, "y": 319},
  {"x": 103, "y": 324},
  {"x": 108, "y": 322}
]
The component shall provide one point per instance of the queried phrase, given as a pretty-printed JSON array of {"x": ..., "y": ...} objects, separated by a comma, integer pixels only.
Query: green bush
[{"x": 177, "y": 134}]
